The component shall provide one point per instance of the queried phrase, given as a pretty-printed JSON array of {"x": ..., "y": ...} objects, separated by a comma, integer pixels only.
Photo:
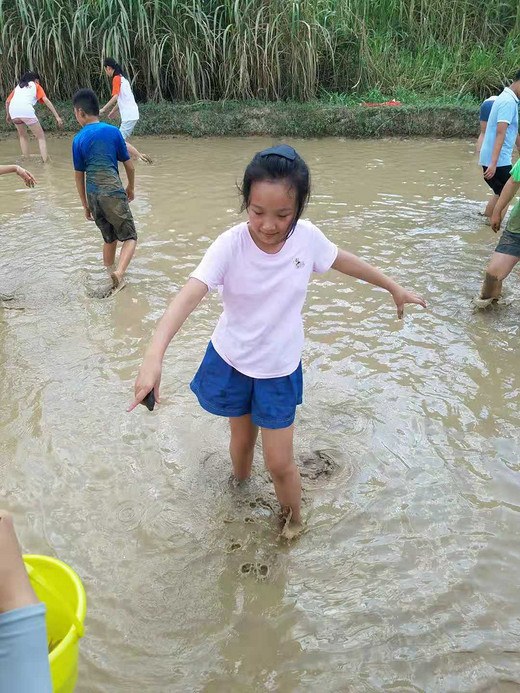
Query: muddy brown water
[{"x": 408, "y": 577}]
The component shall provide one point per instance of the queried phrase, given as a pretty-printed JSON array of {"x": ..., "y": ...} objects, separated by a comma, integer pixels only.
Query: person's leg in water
[
  {"x": 242, "y": 445},
  {"x": 23, "y": 635},
  {"x": 126, "y": 254},
  {"x": 24, "y": 139},
  {"x": 37, "y": 131},
  {"x": 277, "y": 446},
  {"x": 490, "y": 206},
  {"x": 498, "y": 269}
]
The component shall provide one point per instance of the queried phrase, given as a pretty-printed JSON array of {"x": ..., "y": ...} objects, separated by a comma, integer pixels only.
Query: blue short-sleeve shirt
[
  {"x": 485, "y": 108},
  {"x": 504, "y": 110},
  {"x": 96, "y": 150}
]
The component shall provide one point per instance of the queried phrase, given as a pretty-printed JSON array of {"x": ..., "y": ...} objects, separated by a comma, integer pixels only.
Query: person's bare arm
[
  {"x": 80, "y": 185},
  {"x": 130, "y": 172},
  {"x": 113, "y": 113},
  {"x": 28, "y": 178},
  {"x": 508, "y": 192},
  {"x": 353, "y": 266},
  {"x": 7, "y": 116},
  {"x": 109, "y": 104},
  {"x": 181, "y": 306},
  {"x": 53, "y": 111},
  {"x": 499, "y": 141},
  {"x": 518, "y": 143},
  {"x": 483, "y": 126}
]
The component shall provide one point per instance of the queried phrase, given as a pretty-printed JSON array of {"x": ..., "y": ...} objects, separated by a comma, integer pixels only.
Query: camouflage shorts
[{"x": 113, "y": 217}]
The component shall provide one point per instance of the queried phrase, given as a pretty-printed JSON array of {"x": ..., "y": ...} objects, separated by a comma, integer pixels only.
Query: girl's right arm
[
  {"x": 53, "y": 111},
  {"x": 508, "y": 192},
  {"x": 184, "y": 303}
]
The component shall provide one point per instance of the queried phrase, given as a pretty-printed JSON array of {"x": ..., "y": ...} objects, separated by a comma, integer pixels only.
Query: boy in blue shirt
[{"x": 96, "y": 150}]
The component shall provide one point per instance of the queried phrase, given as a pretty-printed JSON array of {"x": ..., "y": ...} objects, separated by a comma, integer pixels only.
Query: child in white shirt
[{"x": 252, "y": 372}]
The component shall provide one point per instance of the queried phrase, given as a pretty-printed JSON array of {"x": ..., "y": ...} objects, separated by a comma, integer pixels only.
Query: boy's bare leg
[
  {"x": 127, "y": 252},
  {"x": 24, "y": 140},
  {"x": 15, "y": 588},
  {"x": 498, "y": 269},
  {"x": 279, "y": 459},
  {"x": 37, "y": 131},
  {"x": 242, "y": 445},
  {"x": 136, "y": 154},
  {"x": 109, "y": 254}
]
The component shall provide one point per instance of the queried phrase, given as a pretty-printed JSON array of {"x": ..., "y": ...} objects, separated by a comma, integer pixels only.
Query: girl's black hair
[
  {"x": 280, "y": 163},
  {"x": 110, "y": 62},
  {"x": 28, "y": 77}
]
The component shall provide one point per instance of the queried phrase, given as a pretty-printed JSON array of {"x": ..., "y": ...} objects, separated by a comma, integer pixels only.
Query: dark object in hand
[{"x": 149, "y": 401}]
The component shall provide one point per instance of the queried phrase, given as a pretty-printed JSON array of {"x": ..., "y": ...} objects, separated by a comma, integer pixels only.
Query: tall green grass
[{"x": 264, "y": 49}]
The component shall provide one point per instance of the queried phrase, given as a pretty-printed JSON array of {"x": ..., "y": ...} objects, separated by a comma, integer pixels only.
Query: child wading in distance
[
  {"x": 252, "y": 369},
  {"x": 122, "y": 99},
  {"x": 96, "y": 149},
  {"x": 20, "y": 109}
]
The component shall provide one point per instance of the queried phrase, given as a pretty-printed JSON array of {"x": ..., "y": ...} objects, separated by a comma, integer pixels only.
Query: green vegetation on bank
[
  {"x": 191, "y": 50},
  {"x": 338, "y": 116}
]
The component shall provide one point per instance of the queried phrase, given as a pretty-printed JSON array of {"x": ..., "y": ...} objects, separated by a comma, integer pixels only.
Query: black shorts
[
  {"x": 113, "y": 217},
  {"x": 499, "y": 179}
]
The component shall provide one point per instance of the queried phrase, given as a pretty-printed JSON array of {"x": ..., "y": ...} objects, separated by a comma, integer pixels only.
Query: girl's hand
[
  {"x": 27, "y": 177},
  {"x": 402, "y": 296},
  {"x": 60, "y": 122},
  {"x": 102, "y": 110},
  {"x": 148, "y": 379}
]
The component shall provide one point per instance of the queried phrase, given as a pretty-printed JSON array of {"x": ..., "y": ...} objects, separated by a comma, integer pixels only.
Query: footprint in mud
[
  {"x": 318, "y": 465},
  {"x": 234, "y": 546},
  {"x": 10, "y": 302},
  {"x": 258, "y": 570}
]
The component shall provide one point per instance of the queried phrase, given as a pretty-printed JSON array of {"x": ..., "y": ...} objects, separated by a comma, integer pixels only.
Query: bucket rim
[{"x": 37, "y": 559}]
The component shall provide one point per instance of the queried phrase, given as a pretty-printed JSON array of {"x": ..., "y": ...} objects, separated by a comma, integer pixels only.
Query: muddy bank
[{"x": 288, "y": 119}]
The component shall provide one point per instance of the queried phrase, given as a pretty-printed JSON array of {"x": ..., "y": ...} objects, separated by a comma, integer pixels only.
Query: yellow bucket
[{"x": 60, "y": 588}]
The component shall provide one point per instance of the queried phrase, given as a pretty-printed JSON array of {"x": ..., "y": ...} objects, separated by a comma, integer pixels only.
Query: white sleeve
[
  {"x": 324, "y": 251},
  {"x": 212, "y": 268}
]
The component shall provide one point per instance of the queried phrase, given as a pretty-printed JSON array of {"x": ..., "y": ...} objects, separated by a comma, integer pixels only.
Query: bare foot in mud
[
  {"x": 483, "y": 303},
  {"x": 291, "y": 530}
]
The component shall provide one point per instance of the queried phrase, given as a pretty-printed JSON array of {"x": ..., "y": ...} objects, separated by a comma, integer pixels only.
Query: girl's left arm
[
  {"x": 350, "y": 264},
  {"x": 53, "y": 111}
]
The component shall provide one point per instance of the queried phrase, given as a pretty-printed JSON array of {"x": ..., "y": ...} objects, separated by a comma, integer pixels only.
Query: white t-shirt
[
  {"x": 22, "y": 99},
  {"x": 260, "y": 331},
  {"x": 125, "y": 98}
]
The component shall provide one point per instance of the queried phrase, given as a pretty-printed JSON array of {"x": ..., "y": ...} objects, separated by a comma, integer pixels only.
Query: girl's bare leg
[
  {"x": 37, "y": 131},
  {"x": 279, "y": 460},
  {"x": 242, "y": 445},
  {"x": 24, "y": 140}
]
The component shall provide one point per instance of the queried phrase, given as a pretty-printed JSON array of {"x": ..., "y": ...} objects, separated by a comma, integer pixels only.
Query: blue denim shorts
[
  {"x": 224, "y": 391},
  {"x": 509, "y": 244}
]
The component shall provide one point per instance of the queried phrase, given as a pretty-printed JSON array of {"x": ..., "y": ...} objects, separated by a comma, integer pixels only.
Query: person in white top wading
[
  {"x": 252, "y": 371},
  {"x": 123, "y": 100},
  {"x": 19, "y": 108}
]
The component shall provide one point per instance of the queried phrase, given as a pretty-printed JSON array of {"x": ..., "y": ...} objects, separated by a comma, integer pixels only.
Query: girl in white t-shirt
[
  {"x": 251, "y": 372},
  {"x": 122, "y": 99},
  {"x": 20, "y": 109}
]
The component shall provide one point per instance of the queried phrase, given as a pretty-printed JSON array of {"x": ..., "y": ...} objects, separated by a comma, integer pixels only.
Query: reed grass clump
[{"x": 192, "y": 50}]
